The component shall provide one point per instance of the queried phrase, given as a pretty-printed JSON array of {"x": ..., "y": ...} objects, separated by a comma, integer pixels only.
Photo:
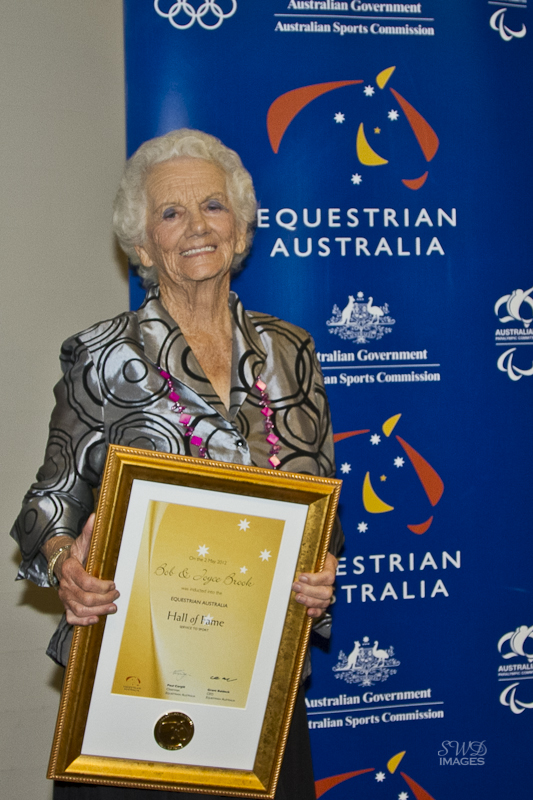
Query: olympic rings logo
[{"x": 182, "y": 8}]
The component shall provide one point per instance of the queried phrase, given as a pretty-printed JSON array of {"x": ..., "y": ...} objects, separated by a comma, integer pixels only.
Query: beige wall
[{"x": 61, "y": 154}]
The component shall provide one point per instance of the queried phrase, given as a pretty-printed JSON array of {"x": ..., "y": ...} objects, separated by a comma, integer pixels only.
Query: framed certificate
[{"x": 191, "y": 684}]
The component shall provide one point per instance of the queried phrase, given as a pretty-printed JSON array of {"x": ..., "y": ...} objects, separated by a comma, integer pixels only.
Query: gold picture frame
[{"x": 134, "y": 729}]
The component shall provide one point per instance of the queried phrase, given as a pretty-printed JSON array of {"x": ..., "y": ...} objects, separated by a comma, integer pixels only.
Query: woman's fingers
[
  {"x": 85, "y": 597},
  {"x": 77, "y": 580},
  {"x": 315, "y": 589},
  {"x": 84, "y": 616}
]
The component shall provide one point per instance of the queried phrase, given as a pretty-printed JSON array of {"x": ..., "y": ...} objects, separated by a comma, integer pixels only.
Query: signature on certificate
[
  {"x": 180, "y": 673},
  {"x": 218, "y": 678}
]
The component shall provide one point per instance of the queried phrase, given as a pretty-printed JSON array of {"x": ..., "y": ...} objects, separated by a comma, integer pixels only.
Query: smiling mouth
[{"x": 196, "y": 250}]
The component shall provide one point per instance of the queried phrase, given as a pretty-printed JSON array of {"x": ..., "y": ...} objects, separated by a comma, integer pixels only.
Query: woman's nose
[{"x": 197, "y": 224}]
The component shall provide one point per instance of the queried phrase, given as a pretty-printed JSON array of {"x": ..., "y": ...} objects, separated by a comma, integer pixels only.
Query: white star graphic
[
  {"x": 265, "y": 555},
  {"x": 403, "y": 796},
  {"x": 375, "y": 438},
  {"x": 369, "y": 91},
  {"x": 362, "y": 527},
  {"x": 380, "y": 777},
  {"x": 244, "y": 570},
  {"x": 398, "y": 461},
  {"x": 244, "y": 524},
  {"x": 203, "y": 550},
  {"x": 393, "y": 115},
  {"x": 357, "y": 179},
  {"x": 207, "y": 620},
  {"x": 339, "y": 117},
  {"x": 346, "y": 468}
]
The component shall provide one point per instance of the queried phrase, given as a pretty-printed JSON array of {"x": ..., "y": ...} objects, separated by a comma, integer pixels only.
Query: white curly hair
[{"x": 129, "y": 208}]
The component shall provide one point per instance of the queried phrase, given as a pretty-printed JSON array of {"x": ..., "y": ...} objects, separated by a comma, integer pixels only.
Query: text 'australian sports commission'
[{"x": 395, "y": 19}]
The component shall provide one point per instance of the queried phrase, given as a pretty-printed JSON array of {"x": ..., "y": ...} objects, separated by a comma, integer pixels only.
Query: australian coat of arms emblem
[
  {"x": 360, "y": 319},
  {"x": 366, "y": 664}
]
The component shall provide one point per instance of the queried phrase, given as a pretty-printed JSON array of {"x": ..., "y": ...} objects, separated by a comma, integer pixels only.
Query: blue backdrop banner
[{"x": 388, "y": 144}]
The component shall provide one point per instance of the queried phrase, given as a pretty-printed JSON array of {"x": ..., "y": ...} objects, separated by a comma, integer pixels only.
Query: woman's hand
[
  {"x": 85, "y": 598},
  {"x": 315, "y": 589}
]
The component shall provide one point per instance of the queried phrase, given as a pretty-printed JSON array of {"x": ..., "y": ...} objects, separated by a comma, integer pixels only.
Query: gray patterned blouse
[{"x": 112, "y": 392}]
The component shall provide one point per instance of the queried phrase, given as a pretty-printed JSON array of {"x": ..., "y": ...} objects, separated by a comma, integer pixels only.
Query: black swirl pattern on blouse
[
  {"x": 248, "y": 350},
  {"x": 154, "y": 430},
  {"x": 58, "y": 473},
  {"x": 91, "y": 451},
  {"x": 38, "y": 521},
  {"x": 94, "y": 337},
  {"x": 81, "y": 386},
  {"x": 101, "y": 334},
  {"x": 117, "y": 365},
  {"x": 112, "y": 392}
]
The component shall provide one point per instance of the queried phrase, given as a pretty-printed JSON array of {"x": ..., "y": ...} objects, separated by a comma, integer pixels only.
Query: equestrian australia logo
[
  {"x": 507, "y": 34},
  {"x": 182, "y": 15},
  {"x": 361, "y": 320},
  {"x": 366, "y": 665}
]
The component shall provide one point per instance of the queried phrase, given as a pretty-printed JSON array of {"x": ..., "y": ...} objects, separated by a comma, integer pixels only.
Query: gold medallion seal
[{"x": 174, "y": 731}]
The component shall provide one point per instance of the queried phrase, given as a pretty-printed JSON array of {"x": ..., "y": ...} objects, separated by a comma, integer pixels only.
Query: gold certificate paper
[
  {"x": 198, "y": 602},
  {"x": 205, "y": 583}
]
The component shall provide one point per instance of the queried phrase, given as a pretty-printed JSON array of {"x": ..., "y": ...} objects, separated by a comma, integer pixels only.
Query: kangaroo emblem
[{"x": 346, "y": 315}]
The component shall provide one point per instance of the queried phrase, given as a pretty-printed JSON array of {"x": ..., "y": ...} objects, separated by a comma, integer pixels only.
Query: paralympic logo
[
  {"x": 497, "y": 24},
  {"x": 505, "y": 364},
  {"x": 183, "y": 9},
  {"x": 508, "y": 698}
]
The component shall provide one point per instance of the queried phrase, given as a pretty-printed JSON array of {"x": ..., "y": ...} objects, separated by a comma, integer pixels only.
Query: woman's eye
[
  {"x": 214, "y": 205},
  {"x": 169, "y": 213}
]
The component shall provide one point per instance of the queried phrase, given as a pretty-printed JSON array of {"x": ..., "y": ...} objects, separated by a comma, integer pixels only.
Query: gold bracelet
[{"x": 52, "y": 580}]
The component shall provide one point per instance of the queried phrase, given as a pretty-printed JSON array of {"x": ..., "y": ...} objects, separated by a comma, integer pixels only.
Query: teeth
[{"x": 206, "y": 249}]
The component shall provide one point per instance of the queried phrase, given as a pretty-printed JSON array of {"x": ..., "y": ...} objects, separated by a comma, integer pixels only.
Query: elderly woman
[{"x": 185, "y": 212}]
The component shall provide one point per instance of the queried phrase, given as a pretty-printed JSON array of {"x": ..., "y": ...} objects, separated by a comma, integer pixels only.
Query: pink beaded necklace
[{"x": 185, "y": 419}]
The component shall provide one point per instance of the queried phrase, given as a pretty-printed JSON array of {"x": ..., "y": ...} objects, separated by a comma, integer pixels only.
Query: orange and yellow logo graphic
[
  {"x": 325, "y": 784},
  {"x": 374, "y": 502},
  {"x": 285, "y": 108}
]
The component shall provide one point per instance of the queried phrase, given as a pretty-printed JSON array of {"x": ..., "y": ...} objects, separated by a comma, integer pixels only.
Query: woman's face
[{"x": 191, "y": 230}]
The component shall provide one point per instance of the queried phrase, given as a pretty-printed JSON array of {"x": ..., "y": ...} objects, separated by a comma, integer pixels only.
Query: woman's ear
[
  {"x": 240, "y": 244},
  {"x": 145, "y": 259}
]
